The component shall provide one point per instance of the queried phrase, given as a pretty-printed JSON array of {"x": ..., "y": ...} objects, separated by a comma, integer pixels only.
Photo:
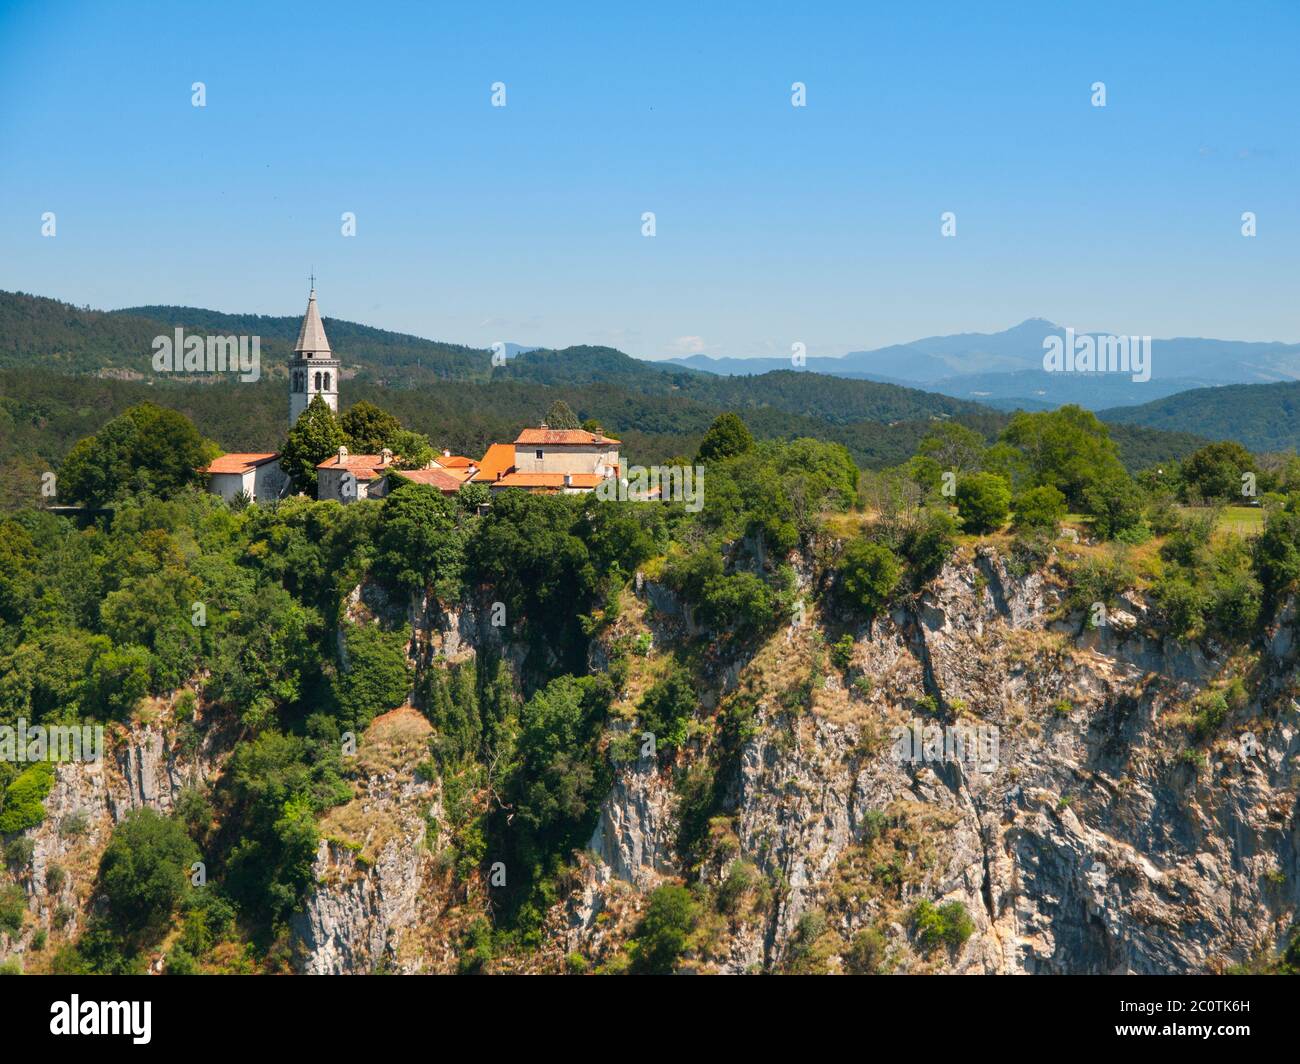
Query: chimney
[
  {"x": 385, "y": 456},
  {"x": 343, "y": 454},
  {"x": 568, "y": 480},
  {"x": 446, "y": 453}
]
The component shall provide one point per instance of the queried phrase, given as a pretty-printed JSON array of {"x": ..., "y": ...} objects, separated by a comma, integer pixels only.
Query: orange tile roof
[
  {"x": 239, "y": 462},
  {"x": 454, "y": 461},
  {"x": 447, "y": 483},
  {"x": 362, "y": 466},
  {"x": 499, "y": 460},
  {"x": 561, "y": 436},
  {"x": 548, "y": 480}
]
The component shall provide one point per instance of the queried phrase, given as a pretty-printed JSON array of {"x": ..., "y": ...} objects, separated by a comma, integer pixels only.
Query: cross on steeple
[{"x": 312, "y": 279}]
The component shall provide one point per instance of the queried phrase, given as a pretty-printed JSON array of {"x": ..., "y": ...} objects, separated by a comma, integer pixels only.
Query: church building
[{"x": 313, "y": 370}]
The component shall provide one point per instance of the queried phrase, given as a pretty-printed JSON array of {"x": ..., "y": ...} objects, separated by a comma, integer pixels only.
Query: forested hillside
[{"x": 1263, "y": 417}]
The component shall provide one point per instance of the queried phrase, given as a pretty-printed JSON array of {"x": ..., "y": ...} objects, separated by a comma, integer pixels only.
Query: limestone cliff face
[
  {"x": 143, "y": 765},
  {"x": 1095, "y": 836},
  {"x": 372, "y": 860}
]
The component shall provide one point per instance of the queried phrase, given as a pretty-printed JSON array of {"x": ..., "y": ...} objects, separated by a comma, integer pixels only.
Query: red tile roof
[
  {"x": 499, "y": 459},
  {"x": 447, "y": 483},
  {"x": 239, "y": 462},
  {"x": 454, "y": 461},
  {"x": 561, "y": 436},
  {"x": 362, "y": 466}
]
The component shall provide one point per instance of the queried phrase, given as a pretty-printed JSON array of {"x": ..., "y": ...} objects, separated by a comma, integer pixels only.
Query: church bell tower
[{"x": 313, "y": 370}]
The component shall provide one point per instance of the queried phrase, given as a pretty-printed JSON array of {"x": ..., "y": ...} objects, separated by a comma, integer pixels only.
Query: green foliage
[
  {"x": 13, "y": 906},
  {"x": 561, "y": 416},
  {"x": 376, "y": 676},
  {"x": 727, "y": 437},
  {"x": 660, "y": 938},
  {"x": 869, "y": 573},
  {"x": 274, "y": 788},
  {"x": 1068, "y": 449},
  {"x": 667, "y": 708},
  {"x": 948, "y": 924},
  {"x": 842, "y": 652},
  {"x": 1117, "y": 507},
  {"x": 367, "y": 429},
  {"x": 1039, "y": 509},
  {"x": 1277, "y": 552},
  {"x": 1215, "y": 472},
  {"x": 983, "y": 501},
  {"x": 145, "y": 449},
  {"x": 143, "y": 874},
  {"x": 313, "y": 437},
  {"x": 21, "y": 805}
]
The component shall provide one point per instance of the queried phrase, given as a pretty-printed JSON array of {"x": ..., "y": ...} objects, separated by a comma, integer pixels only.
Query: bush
[
  {"x": 144, "y": 872},
  {"x": 869, "y": 573},
  {"x": 842, "y": 652},
  {"x": 660, "y": 939},
  {"x": 667, "y": 708},
  {"x": 55, "y": 877},
  {"x": 948, "y": 924},
  {"x": 867, "y": 954},
  {"x": 18, "y": 852},
  {"x": 1039, "y": 509},
  {"x": 983, "y": 502},
  {"x": 23, "y": 806},
  {"x": 13, "y": 904}
]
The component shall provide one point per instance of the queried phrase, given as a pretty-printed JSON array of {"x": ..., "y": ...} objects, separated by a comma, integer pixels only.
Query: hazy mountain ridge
[{"x": 993, "y": 367}]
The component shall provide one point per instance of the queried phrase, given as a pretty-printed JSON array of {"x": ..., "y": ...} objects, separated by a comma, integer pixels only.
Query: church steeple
[{"x": 313, "y": 370}]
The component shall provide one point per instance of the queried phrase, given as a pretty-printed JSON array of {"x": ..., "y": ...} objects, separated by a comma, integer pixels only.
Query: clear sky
[{"x": 775, "y": 224}]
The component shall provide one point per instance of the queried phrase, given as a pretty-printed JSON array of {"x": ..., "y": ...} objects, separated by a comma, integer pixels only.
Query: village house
[
  {"x": 541, "y": 460},
  {"x": 257, "y": 476}
]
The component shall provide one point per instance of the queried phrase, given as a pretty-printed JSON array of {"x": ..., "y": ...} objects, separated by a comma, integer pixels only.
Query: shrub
[
  {"x": 869, "y": 573},
  {"x": 983, "y": 502},
  {"x": 660, "y": 939},
  {"x": 74, "y": 825},
  {"x": 55, "y": 877},
  {"x": 23, "y": 806},
  {"x": 948, "y": 924},
  {"x": 18, "y": 852},
  {"x": 842, "y": 652},
  {"x": 1040, "y": 508},
  {"x": 13, "y": 904},
  {"x": 867, "y": 953}
]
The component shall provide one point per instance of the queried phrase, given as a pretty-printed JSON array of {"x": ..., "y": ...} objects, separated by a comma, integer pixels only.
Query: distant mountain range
[{"x": 1005, "y": 369}]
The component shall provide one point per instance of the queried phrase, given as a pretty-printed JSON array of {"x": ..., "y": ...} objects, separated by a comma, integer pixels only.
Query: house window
[
  {"x": 539, "y": 456},
  {"x": 327, "y": 382}
]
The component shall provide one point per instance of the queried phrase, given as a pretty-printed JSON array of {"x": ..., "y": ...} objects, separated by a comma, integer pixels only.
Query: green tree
[
  {"x": 667, "y": 708},
  {"x": 144, "y": 872},
  {"x": 561, "y": 416},
  {"x": 1215, "y": 471},
  {"x": 983, "y": 502},
  {"x": 419, "y": 541},
  {"x": 953, "y": 446},
  {"x": 869, "y": 573},
  {"x": 660, "y": 939},
  {"x": 727, "y": 437},
  {"x": 367, "y": 429},
  {"x": 1040, "y": 508},
  {"x": 376, "y": 677},
  {"x": 314, "y": 437},
  {"x": 1069, "y": 448},
  {"x": 146, "y": 448}
]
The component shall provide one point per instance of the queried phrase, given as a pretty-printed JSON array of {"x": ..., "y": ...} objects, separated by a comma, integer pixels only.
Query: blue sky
[{"x": 775, "y": 224}]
